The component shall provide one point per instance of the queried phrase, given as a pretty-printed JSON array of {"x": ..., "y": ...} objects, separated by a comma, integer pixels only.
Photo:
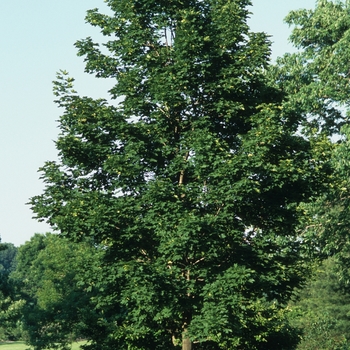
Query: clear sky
[{"x": 36, "y": 40}]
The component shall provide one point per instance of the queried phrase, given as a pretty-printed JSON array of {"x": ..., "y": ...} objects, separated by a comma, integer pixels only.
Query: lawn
[{"x": 18, "y": 345}]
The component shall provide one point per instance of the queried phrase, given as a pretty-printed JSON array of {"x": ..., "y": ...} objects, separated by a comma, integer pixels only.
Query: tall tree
[{"x": 190, "y": 181}]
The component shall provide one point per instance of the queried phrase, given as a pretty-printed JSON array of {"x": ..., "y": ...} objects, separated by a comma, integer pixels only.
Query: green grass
[
  {"x": 16, "y": 345},
  {"x": 19, "y": 345}
]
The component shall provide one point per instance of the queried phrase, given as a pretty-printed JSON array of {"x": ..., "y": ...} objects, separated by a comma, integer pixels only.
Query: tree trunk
[{"x": 186, "y": 343}]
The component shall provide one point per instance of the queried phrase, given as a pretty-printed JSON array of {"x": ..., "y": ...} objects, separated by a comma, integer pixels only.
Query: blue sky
[{"x": 36, "y": 41}]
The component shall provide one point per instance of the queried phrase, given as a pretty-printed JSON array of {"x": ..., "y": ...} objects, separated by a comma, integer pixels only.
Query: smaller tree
[
  {"x": 322, "y": 311},
  {"x": 10, "y": 328},
  {"x": 50, "y": 273},
  {"x": 8, "y": 254}
]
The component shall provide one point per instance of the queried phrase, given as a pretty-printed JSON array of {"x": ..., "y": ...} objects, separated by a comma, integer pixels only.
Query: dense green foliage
[
  {"x": 191, "y": 201},
  {"x": 10, "y": 328},
  {"x": 191, "y": 181},
  {"x": 7, "y": 257},
  {"x": 317, "y": 78},
  {"x": 319, "y": 75},
  {"x": 322, "y": 36},
  {"x": 50, "y": 278},
  {"x": 322, "y": 310}
]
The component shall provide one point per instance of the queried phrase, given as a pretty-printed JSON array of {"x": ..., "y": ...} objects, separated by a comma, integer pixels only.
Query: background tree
[
  {"x": 316, "y": 78},
  {"x": 319, "y": 76},
  {"x": 322, "y": 310},
  {"x": 10, "y": 327},
  {"x": 7, "y": 257},
  {"x": 191, "y": 181},
  {"x": 50, "y": 277},
  {"x": 317, "y": 81}
]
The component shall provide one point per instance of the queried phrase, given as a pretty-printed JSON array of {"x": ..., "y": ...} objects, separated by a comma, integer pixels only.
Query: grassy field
[{"x": 18, "y": 345}]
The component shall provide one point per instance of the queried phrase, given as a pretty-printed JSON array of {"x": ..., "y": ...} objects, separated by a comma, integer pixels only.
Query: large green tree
[{"x": 190, "y": 179}]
